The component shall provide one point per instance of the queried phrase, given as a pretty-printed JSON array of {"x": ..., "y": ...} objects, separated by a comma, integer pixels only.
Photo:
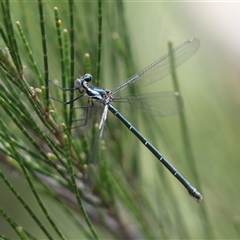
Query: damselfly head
[{"x": 80, "y": 80}]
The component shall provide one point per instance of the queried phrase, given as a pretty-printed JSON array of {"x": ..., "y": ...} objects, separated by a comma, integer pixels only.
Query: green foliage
[
  {"x": 33, "y": 139},
  {"x": 58, "y": 193}
]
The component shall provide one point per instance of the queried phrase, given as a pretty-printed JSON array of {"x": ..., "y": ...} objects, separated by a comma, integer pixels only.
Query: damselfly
[{"x": 148, "y": 102}]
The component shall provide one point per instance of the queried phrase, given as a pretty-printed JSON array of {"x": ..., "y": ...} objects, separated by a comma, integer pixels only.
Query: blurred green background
[{"x": 209, "y": 84}]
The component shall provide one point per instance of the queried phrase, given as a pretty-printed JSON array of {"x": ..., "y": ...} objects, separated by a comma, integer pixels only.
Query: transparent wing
[
  {"x": 159, "y": 104},
  {"x": 163, "y": 66}
]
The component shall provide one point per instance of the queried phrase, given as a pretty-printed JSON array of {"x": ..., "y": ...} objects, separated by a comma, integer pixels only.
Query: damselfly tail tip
[{"x": 196, "y": 195}]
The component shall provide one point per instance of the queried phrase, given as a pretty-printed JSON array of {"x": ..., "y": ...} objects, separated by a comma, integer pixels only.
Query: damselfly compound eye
[
  {"x": 88, "y": 77},
  {"x": 79, "y": 82}
]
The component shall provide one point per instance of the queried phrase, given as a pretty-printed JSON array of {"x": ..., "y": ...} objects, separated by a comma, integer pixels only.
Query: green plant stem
[
  {"x": 189, "y": 152},
  {"x": 20, "y": 160},
  {"x": 44, "y": 48},
  {"x": 74, "y": 186},
  {"x": 126, "y": 197},
  {"x": 62, "y": 60},
  {"x": 25, "y": 205},
  {"x": 99, "y": 44},
  {"x": 72, "y": 69},
  {"x": 12, "y": 40},
  {"x": 30, "y": 54}
]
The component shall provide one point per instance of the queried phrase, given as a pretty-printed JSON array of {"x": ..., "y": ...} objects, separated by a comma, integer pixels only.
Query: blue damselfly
[{"x": 147, "y": 102}]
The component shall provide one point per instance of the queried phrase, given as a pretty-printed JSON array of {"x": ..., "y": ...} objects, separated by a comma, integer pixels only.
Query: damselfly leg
[{"x": 87, "y": 109}]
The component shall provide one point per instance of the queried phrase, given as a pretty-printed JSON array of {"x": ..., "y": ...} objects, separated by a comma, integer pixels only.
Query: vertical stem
[
  {"x": 188, "y": 150},
  {"x": 72, "y": 50},
  {"x": 75, "y": 188},
  {"x": 62, "y": 59},
  {"x": 44, "y": 47},
  {"x": 11, "y": 38},
  {"x": 99, "y": 45}
]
